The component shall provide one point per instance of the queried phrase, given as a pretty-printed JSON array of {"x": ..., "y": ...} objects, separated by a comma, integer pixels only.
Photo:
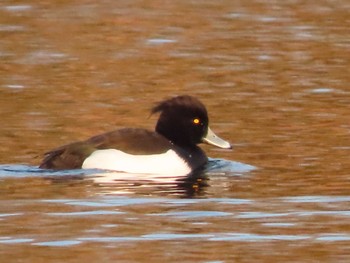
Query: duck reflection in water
[{"x": 116, "y": 183}]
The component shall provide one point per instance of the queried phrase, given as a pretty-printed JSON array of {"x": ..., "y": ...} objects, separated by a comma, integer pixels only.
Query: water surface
[{"x": 274, "y": 76}]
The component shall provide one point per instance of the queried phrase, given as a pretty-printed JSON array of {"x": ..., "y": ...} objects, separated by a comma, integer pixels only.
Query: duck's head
[{"x": 184, "y": 121}]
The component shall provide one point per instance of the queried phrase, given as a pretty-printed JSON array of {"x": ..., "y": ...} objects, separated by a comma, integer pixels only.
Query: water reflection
[{"x": 117, "y": 183}]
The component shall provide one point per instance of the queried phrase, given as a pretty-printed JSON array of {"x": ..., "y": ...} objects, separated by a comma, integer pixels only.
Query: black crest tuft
[{"x": 184, "y": 103}]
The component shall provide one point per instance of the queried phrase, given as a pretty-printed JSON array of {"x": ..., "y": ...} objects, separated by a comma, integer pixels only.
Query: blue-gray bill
[{"x": 213, "y": 139}]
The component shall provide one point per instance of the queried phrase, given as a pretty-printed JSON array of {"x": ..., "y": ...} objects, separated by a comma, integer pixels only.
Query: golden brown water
[{"x": 274, "y": 76}]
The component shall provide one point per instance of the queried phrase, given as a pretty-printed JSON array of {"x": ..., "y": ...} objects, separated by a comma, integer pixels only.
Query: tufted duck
[{"x": 169, "y": 150}]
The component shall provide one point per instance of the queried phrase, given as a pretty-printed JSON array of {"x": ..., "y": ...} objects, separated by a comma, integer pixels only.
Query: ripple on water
[
  {"x": 117, "y": 201},
  {"x": 228, "y": 167},
  {"x": 10, "y": 214},
  {"x": 261, "y": 215},
  {"x": 194, "y": 214},
  {"x": 160, "y": 41},
  {"x": 60, "y": 243},
  {"x": 248, "y": 237},
  {"x": 9, "y": 240},
  {"x": 17, "y": 8},
  {"x": 316, "y": 199},
  {"x": 11, "y": 28},
  {"x": 43, "y": 57},
  {"x": 14, "y": 86},
  {"x": 333, "y": 237},
  {"x": 322, "y": 90},
  {"x": 87, "y": 213},
  {"x": 232, "y": 237}
]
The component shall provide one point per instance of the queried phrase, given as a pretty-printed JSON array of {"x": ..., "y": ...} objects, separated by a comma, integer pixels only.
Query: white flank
[{"x": 166, "y": 164}]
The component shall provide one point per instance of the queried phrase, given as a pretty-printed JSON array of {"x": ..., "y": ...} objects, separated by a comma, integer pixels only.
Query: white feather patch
[{"x": 167, "y": 164}]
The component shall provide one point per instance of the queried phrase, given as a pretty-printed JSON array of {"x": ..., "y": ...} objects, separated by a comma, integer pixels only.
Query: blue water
[{"x": 214, "y": 167}]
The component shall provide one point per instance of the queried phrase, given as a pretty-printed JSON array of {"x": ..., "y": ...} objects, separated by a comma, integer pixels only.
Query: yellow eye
[{"x": 196, "y": 121}]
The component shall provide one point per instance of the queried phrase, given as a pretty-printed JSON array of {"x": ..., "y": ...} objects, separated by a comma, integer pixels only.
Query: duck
[{"x": 171, "y": 149}]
